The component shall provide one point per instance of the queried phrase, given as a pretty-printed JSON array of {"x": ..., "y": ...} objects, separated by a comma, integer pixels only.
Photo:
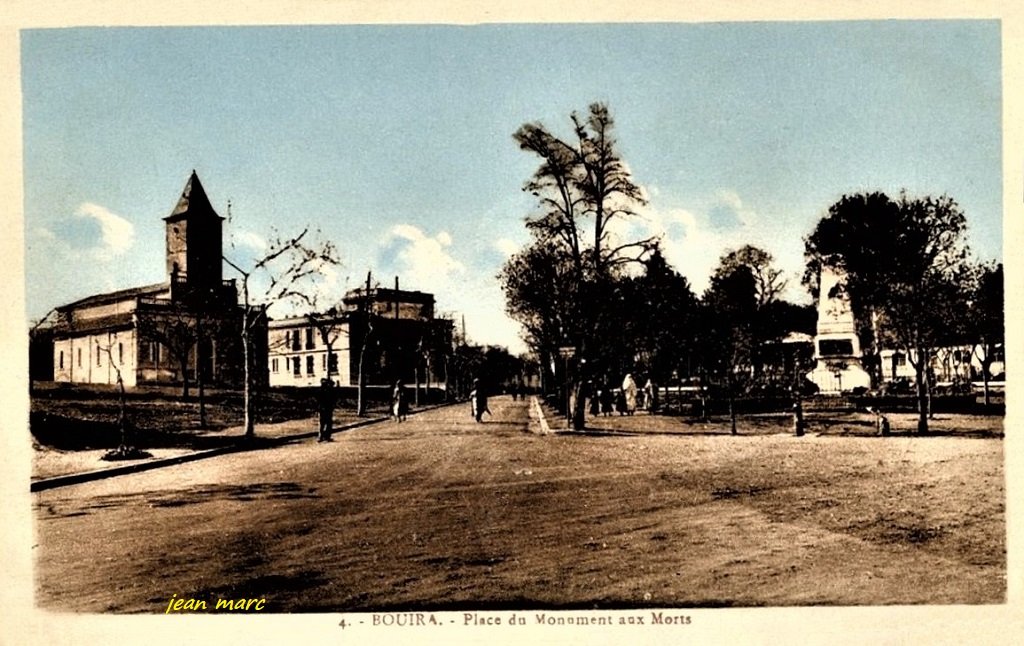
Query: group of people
[
  {"x": 327, "y": 397},
  {"x": 604, "y": 400}
]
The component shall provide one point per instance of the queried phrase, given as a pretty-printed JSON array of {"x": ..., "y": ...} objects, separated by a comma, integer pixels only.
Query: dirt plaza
[{"x": 442, "y": 513}]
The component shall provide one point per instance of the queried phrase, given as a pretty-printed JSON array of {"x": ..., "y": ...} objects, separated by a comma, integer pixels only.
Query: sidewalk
[{"x": 52, "y": 468}]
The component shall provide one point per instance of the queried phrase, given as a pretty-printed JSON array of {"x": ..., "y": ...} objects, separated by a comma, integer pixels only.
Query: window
[
  {"x": 309, "y": 365},
  {"x": 61, "y": 359},
  {"x": 79, "y": 357},
  {"x": 287, "y": 338},
  {"x": 296, "y": 367},
  {"x": 296, "y": 341},
  {"x": 310, "y": 344},
  {"x": 273, "y": 365},
  {"x": 120, "y": 353},
  {"x": 98, "y": 354},
  {"x": 899, "y": 359},
  {"x": 333, "y": 365}
]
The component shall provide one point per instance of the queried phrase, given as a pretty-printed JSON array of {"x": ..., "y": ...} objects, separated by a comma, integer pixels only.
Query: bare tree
[
  {"x": 366, "y": 320},
  {"x": 285, "y": 263},
  {"x": 175, "y": 327}
]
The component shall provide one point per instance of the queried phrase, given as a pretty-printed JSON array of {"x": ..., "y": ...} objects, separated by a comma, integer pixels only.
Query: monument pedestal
[
  {"x": 836, "y": 345},
  {"x": 836, "y": 377}
]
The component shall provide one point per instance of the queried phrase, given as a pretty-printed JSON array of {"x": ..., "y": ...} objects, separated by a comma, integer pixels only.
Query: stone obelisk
[{"x": 836, "y": 345}]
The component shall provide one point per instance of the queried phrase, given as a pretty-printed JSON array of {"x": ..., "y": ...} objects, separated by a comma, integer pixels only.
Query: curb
[
  {"x": 99, "y": 474},
  {"x": 537, "y": 411}
]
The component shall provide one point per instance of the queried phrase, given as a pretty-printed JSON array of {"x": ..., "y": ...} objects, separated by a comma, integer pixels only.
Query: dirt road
[{"x": 440, "y": 512}]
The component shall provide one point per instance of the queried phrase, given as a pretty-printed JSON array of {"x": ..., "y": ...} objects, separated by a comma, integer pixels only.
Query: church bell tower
[{"x": 194, "y": 239}]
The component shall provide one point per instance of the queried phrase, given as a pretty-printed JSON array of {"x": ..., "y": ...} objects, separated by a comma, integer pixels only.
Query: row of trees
[
  {"x": 616, "y": 305},
  {"x": 911, "y": 280},
  {"x": 613, "y": 304}
]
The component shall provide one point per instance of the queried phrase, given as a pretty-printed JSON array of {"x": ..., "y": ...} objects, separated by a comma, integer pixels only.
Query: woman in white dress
[{"x": 629, "y": 390}]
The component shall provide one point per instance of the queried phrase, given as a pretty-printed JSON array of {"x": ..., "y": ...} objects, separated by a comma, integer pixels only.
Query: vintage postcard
[{"x": 416, "y": 324}]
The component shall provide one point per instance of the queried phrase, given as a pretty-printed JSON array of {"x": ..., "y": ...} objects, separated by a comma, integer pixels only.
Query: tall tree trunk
[
  {"x": 184, "y": 376},
  {"x": 416, "y": 378},
  {"x": 200, "y": 381},
  {"x": 427, "y": 376},
  {"x": 984, "y": 381},
  {"x": 122, "y": 418},
  {"x": 361, "y": 377},
  {"x": 247, "y": 403},
  {"x": 922, "y": 391},
  {"x": 732, "y": 410},
  {"x": 579, "y": 400},
  {"x": 986, "y": 365},
  {"x": 798, "y": 404}
]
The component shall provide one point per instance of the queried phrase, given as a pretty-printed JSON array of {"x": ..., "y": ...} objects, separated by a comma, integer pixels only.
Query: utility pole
[{"x": 361, "y": 383}]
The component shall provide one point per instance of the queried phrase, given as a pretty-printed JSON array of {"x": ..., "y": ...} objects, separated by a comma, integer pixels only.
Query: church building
[{"x": 168, "y": 332}]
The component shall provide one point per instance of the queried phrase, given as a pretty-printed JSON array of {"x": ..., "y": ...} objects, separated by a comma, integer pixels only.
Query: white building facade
[{"x": 298, "y": 352}]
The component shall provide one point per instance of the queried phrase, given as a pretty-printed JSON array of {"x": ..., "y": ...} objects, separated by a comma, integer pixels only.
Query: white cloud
[
  {"x": 691, "y": 241},
  {"x": 249, "y": 240},
  {"x": 44, "y": 234},
  {"x": 507, "y": 247},
  {"x": 117, "y": 235},
  {"x": 424, "y": 261},
  {"x": 731, "y": 199}
]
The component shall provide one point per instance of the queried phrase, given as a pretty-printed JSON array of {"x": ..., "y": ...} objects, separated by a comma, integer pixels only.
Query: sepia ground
[{"x": 442, "y": 513}]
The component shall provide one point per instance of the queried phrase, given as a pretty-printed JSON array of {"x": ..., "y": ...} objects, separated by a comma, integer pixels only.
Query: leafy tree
[
  {"x": 583, "y": 187},
  {"x": 730, "y": 308},
  {"x": 905, "y": 260},
  {"x": 986, "y": 318},
  {"x": 660, "y": 312},
  {"x": 774, "y": 318},
  {"x": 768, "y": 280},
  {"x": 540, "y": 293}
]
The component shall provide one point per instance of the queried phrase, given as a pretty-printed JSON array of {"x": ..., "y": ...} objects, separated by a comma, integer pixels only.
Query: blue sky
[{"x": 396, "y": 141}]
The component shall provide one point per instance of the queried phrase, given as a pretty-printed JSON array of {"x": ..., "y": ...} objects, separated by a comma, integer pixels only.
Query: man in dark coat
[
  {"x": 479, "y": 401},
  {"x": 325, "y": 400}
]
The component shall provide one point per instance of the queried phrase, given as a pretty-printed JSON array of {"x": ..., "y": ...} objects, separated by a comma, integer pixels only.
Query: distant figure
[
  {"x": 629, "y": 392},
  {"x": 595, "y": 401},
  {"x": 649, "y": 391},
  {"x": 881, "y": 421},
  {"x": 478, "y": 401},
  {"x": 399, "y": 402},
  {"x": 514, "y": 389},
  {"x": 607, "y": 400},
  {"x": 325, "y": 399}
]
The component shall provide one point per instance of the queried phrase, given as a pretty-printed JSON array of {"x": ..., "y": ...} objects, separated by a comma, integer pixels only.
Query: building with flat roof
[{"x": 403, "y": 342}]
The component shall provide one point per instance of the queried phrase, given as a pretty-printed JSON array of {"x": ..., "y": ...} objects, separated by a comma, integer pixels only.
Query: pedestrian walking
[
  {"x": 325, "y": 400},
  {"x": 629, "y": 393},
  {"x": 649, "y": 394},
  {"x": 607, "y": 400},
  {"x": 399, "y": 402},
  {"x": 478, "y": 401}
]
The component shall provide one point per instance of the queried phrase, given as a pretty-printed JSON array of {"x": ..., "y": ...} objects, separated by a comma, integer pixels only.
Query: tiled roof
[
  {"x": 87, "y": 326},
  {"x": 120, "y": 295}
]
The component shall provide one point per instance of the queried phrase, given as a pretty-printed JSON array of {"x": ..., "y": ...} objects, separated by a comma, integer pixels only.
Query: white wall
[
  {"x": 281, "y": 355},
  {"x": 86, "y": 361}
]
